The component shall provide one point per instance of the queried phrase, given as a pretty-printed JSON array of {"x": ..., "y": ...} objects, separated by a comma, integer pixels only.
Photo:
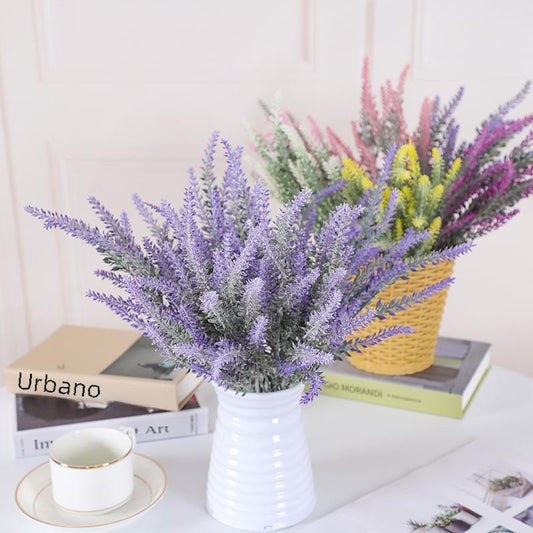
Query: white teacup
[{"x": 92, "y": 469}]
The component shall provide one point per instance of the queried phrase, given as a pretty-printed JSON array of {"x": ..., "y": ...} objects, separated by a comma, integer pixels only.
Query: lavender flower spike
[{"x": 252, "y": 301}]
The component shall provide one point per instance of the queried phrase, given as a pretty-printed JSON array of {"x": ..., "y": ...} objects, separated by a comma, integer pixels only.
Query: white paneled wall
[{"x": 110, "y": 97}]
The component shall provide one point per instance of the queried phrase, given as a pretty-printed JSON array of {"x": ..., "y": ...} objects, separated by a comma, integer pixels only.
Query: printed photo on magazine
[{"x": 479, "y": 488}]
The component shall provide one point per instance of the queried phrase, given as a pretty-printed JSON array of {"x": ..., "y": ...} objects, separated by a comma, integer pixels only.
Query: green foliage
[{"x": 293, "y": 160}]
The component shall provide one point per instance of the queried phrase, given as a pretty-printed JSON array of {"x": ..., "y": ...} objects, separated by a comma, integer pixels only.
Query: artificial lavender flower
[
  {"x": 493, "y": 180},
  {"x": 253, "y": 303},
  {"x": 491, "y": 174}
]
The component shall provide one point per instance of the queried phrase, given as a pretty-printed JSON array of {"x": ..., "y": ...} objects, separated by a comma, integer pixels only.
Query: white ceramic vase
[{"x": 260, "y": 476}]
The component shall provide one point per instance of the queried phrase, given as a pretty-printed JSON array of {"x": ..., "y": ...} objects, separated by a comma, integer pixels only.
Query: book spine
[
  {"x": 101, "y": 388},
  {"x": 393, "y": 395},
  {"x": 149, "y": 427}
]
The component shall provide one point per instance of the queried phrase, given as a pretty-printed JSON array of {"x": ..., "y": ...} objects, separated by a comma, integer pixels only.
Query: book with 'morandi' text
[
  {"x": 446, "y": 388},
  {"x": 97, "y": 366}
]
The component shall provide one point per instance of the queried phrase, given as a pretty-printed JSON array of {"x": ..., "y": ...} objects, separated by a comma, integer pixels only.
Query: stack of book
[{"x": 82, "y": 376}]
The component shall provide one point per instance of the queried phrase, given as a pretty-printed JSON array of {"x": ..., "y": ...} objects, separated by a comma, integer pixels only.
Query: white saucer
[{"x": 34, "y": 497}]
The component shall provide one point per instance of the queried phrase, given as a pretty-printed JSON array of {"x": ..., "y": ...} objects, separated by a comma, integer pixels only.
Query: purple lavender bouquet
[{"x": 253, "y": 304}]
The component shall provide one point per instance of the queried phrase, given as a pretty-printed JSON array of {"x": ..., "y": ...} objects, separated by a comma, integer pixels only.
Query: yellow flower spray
[{"x": 419, "y": 195}]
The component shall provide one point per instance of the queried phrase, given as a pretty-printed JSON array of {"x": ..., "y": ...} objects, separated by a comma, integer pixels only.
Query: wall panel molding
[
  {"x": 15, "y": 333},
  {"x": 152, "y": 42},
  {"x": 111, "y": 175},
  {"x": 453, "y": 39}
]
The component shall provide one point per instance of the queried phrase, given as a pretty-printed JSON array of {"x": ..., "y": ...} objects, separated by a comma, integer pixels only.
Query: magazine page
[{"x": 477, "y": 489}]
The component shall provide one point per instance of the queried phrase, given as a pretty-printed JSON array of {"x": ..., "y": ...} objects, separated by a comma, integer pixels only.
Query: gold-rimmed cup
[{"x": 92, "y": 469}]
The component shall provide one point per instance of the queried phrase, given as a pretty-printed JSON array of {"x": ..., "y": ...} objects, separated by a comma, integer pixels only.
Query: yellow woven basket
[{"x": 407, "y": 354}]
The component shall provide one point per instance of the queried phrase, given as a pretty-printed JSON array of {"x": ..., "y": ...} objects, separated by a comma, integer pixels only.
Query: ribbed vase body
[{"x": 260, "y": 476}]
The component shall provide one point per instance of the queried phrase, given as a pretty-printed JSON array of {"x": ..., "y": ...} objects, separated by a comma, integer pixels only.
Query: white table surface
[{"x": 355, "y": 448}]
